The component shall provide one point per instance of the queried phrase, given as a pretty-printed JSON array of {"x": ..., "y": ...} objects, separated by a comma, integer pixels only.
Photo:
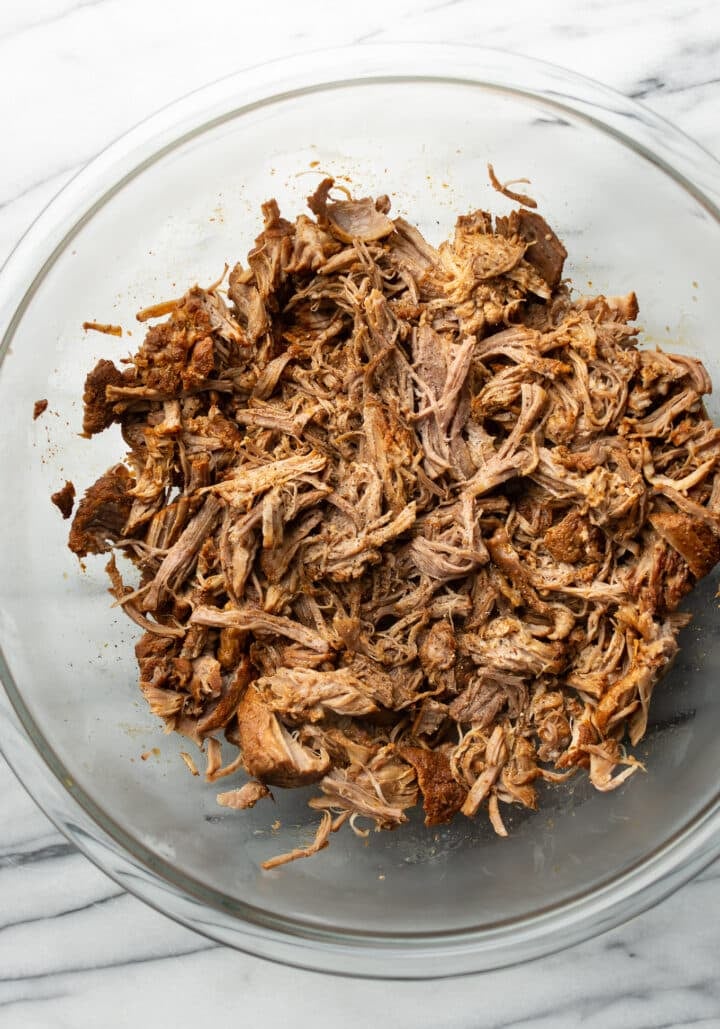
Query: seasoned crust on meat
[
  {"x": 694, "y": 541},
  {"x": 270, "y": 752},
  {"x": 102, "y": 513},
  {"x": 64, "y": 499},
  {"x": 442, "y": 795},
  {"x": 98, "y": 410}
]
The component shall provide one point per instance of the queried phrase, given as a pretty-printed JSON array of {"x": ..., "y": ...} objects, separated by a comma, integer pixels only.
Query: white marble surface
[{"x": 74, "y": 950}]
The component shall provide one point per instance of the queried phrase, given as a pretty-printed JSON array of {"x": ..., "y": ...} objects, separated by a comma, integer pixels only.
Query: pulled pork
[{"x": 410, "y": 523}]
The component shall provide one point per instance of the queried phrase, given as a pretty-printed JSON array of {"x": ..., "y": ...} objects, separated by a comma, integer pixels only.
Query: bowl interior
[{"x": 627, "y": 225}]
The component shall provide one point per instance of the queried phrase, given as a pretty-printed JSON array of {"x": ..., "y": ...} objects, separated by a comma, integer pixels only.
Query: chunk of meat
[
  {"x": 99, "y": 412},
  {"x": 487, "y": 695},
  {"x": 507, "y": 646},
  {"x": 430, "y": 717},
  {"x": 693, "y": 540},
  {"x": 64, "y": 499},
  {"x": 574, "y": 539},
  {"x": 312, "y": 247},
  {"x": 102, "y": 513},
  {"x": 306, "y": 694},
  {"x": 442, "y": 795},
  {"x": 544, "y": 250},
  {"x": 349, "y": 220},
  {"x": 167, "y": 349},
  {"x": 164, "y": 703},
  {"x": 219, "y": 714},
  {"x": 269, "y": 751},
  {"x": 249, "y": 305},
  {"x": 245, "y": 796},
  {"x": 438, "y": 649}
]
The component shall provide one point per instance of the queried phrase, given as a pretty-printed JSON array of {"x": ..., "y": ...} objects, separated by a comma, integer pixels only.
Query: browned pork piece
[{"x": 411, "y": 523}]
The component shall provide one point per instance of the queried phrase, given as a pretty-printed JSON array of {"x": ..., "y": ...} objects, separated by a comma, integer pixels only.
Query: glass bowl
[{"x": 636, "y": 203}]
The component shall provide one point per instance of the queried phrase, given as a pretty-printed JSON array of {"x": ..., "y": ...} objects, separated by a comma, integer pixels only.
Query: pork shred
[
  {"x": 64, "y": 499},
  {"x": 410, "y": 523}
]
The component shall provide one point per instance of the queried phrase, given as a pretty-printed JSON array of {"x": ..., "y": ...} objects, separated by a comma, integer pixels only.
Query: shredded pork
[{"x": 411, "y": 523}]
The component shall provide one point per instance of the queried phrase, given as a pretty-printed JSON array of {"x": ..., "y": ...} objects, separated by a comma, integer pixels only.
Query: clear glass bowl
[{"x": 637, "y": 205}]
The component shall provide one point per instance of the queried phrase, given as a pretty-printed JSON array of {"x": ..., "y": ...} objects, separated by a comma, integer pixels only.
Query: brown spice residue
[
  {"x": 64, "y": 499},
  {"x": 39, "y": 407},
  {"x": 109, "y": 330}
]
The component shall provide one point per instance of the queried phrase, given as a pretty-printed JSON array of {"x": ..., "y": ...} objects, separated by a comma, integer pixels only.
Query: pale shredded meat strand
[
  {"x": 319, "y": 843},
  {"x": 104, "y": 327},
  {"x": 189, "y": 761},
  {"x": 411, "y": 523},
  {"x": 245, "y": 796},
  {"x": 511, "y": 194}
]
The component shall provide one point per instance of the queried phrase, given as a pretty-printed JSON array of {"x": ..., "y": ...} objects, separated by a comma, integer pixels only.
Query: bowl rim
[{"x": 125, "y": 859}]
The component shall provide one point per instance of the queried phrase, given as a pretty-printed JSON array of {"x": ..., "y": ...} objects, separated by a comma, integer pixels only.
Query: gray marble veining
[{"x": 75, "y": 951}]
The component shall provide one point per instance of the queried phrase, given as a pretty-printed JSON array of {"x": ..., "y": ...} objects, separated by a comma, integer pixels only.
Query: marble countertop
[{"x": 75, "y": 951}]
